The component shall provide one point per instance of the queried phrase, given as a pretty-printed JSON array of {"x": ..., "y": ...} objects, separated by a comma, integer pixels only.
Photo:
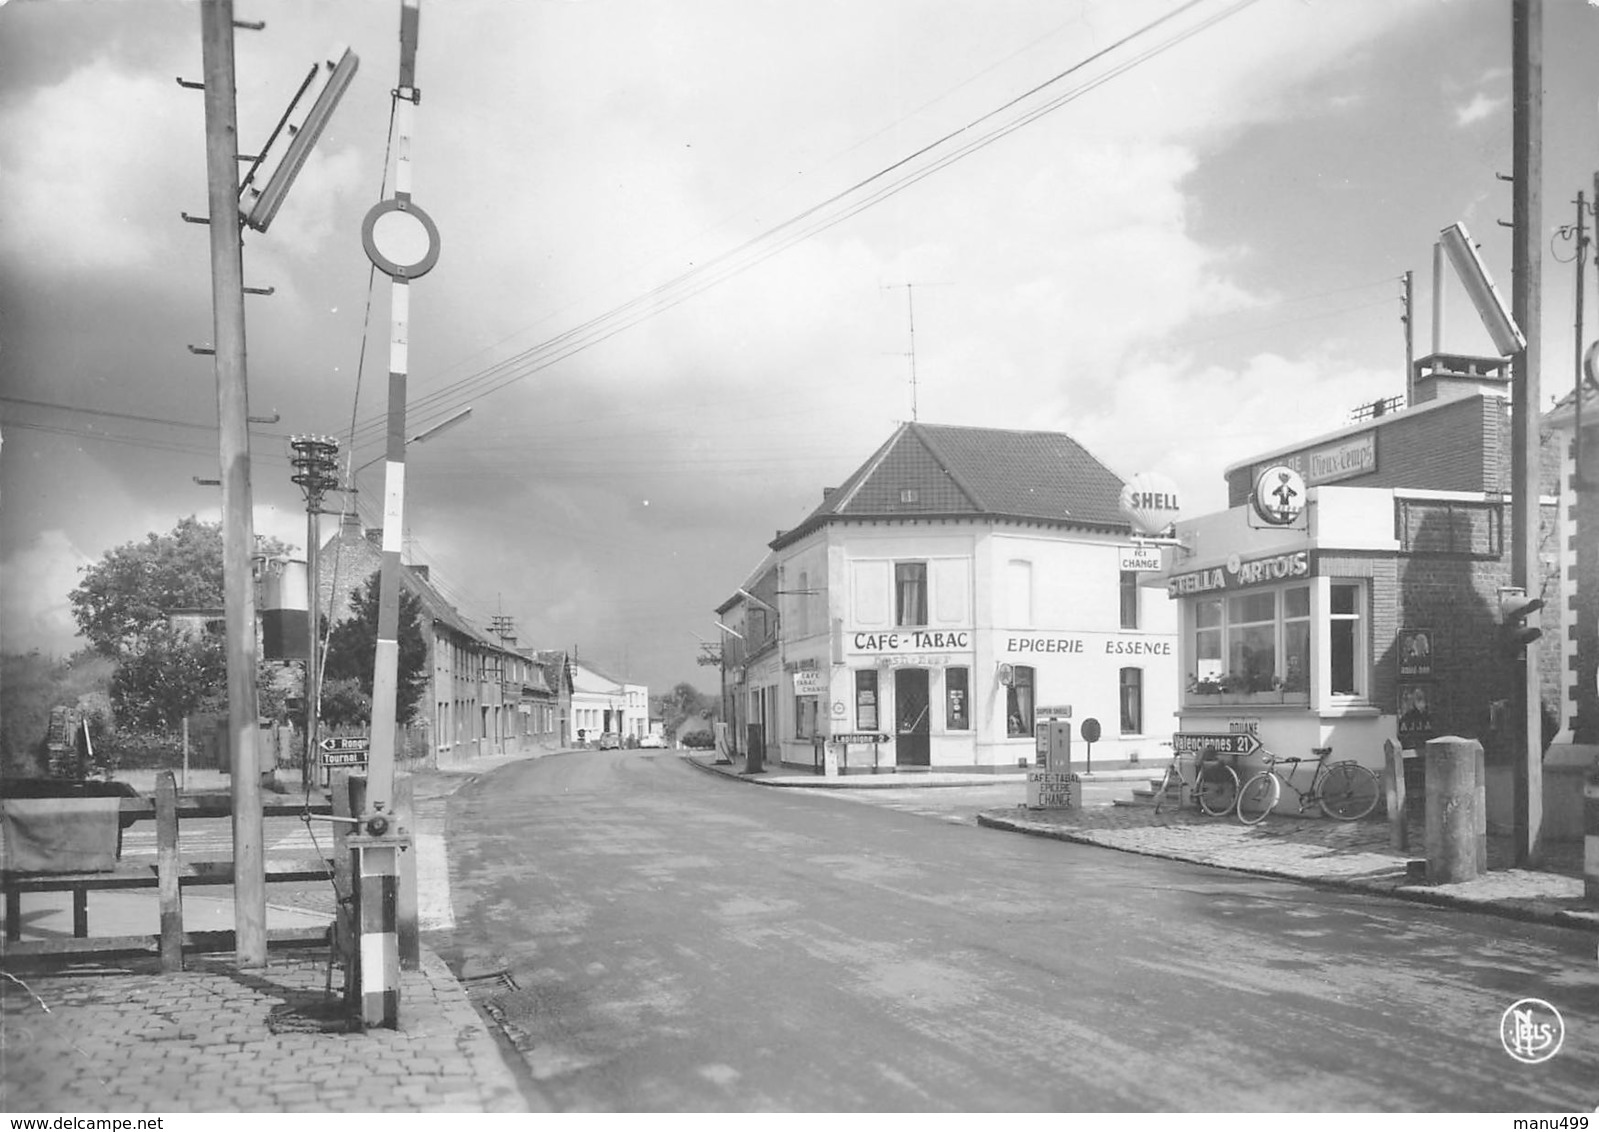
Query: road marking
[{"x": 433, "y": 911}]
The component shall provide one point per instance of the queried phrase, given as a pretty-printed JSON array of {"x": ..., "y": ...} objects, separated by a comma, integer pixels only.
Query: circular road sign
[
  {"x": 1090, "y": 730},
  {"x": 400, "y": 238}
]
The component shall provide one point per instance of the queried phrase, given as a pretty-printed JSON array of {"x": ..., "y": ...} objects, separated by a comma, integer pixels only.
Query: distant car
[
  {"x": 610, "y": 741},
  {"x": 657, "y": 741}
]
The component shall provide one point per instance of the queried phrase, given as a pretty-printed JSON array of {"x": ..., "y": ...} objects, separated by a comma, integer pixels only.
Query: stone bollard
[
  {"x": 1393, "y": 778},
  {"x": 1456, "y": 828},
  {"x": 1590, "y": 837}
]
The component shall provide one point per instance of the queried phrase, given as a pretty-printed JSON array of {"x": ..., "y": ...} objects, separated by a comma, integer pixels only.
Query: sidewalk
[
  {"x": 1314, "y": 850},
  {"x": 114, "y": 1035}
]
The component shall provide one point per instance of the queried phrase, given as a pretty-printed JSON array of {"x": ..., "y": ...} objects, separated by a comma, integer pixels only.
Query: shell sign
[{"x": 1149, "y": 501}]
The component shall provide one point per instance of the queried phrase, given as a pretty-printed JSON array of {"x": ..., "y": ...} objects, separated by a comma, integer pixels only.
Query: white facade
[
  {"x": 953, "y": 638},
  {"x": 601, "y": 703}
]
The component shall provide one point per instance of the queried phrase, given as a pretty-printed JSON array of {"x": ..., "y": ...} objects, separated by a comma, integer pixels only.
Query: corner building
[
  {"x": 960, "y": 586},
  {"x": 1373, "y": 615}
]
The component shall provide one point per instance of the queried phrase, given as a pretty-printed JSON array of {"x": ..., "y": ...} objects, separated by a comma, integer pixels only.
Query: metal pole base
[{"x": 373, "y": 979}]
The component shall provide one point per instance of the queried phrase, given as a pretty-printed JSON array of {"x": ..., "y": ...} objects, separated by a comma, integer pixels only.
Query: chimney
[
  {"x": 1449, "y": 377},
  {"x": 827, "y": 493},
  {"x": 350, "y": 525}
]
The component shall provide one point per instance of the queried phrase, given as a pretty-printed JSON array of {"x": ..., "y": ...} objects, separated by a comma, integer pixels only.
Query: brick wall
[{"x": 1459, "y": 445}]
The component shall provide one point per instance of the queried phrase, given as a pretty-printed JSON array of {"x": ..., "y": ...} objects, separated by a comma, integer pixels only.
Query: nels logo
[{"x": 1532, "y": 1031}]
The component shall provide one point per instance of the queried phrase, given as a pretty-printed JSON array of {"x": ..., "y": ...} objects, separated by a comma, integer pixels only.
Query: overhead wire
[{"x": 809, "y": 222}]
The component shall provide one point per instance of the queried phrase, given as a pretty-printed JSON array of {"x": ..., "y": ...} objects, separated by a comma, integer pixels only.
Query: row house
[
  {"x": 961, "y": 586},
  {"x": 484, "y": 696}
]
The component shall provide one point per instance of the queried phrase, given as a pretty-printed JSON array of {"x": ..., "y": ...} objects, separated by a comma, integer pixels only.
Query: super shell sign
[{"x": 1149, "y": 502}]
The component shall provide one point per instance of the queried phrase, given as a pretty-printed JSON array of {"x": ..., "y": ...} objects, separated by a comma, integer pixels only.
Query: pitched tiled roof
[{"x": 951, "y": 470}]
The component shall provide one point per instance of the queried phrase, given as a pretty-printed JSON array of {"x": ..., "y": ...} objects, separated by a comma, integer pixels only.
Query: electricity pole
[
  {"x": 1408, "y": 318},
  {"x": 238, "y": 534},
  {"x": 1526, "y": 308},
  {"x": 316, "y": 471}
]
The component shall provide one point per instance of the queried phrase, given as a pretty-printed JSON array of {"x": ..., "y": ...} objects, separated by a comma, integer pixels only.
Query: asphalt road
[{"x": 655, "y": 938}]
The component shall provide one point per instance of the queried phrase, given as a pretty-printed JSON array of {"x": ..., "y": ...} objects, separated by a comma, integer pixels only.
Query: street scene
[{"x": 892, "y": 557}]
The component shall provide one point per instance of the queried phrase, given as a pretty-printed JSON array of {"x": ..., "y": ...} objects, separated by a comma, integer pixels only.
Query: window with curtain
[
  {"x": 1252, "y": 642},
  {"x": 910, "y": 593},
  {"x": 1129, "y": 591},
  {"x": 1132, "y": 700},
  {"x": 1019, "y": 702}
]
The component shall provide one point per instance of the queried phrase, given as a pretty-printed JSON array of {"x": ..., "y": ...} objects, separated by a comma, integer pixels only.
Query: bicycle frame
[{"x": 1311, "y": 795}]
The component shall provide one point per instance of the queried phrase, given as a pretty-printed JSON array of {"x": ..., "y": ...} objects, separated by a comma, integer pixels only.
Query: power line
[{"x": 808, "y": 223}]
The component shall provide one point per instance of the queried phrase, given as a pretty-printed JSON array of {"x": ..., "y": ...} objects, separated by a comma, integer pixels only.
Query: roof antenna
[{"x": 910, "y": 311}]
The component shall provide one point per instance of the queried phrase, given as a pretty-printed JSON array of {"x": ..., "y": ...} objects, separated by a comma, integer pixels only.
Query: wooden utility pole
[
  {"x": 238, "y": 534},
  {"x": 1526, "y": 308}
]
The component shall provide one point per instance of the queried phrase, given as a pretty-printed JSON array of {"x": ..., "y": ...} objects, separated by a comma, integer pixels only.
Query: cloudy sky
[{"x": 677, "y": 238}]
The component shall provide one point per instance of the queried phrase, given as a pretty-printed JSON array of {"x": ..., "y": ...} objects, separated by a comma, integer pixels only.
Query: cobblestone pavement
[
  {"x": 117, "y": 1036},
  {"x": 1353, "y": 854},
  {"x": 214, "y": 1038}
]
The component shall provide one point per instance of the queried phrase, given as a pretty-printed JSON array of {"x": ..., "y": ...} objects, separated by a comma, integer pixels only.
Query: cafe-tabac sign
[{"x": 1240, "y": 574}]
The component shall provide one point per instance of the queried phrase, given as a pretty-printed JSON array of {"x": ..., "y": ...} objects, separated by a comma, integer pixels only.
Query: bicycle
[
  {"x": 1345, "y": 790},
  {"x": 1214, "y": 786}
]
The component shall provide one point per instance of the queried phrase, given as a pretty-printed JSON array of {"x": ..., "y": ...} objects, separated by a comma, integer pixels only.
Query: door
[{"x": 912, "y": 714}]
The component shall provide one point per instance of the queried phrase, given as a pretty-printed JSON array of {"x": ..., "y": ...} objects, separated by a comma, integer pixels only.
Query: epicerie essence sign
[{"x": 1238, "y": 574}]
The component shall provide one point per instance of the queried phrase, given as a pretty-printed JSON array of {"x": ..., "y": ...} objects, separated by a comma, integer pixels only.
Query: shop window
[
  {"x": 1253, "y": 643},
  {"x": 866, "y": 699},
  {"x": 1346, "y": 639},
  {"x": 1019, "y": 702},
  {"x": 910, "y": 593},
  {"x": 957, "y": 702},
  {"x": 1129, "y": 587},
  {"x": 1132, "y": 698},
  {"x": 804, "y": 717}
]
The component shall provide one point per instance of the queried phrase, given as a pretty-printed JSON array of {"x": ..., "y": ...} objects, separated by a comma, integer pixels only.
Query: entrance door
[{"x": 912, "y": 747}]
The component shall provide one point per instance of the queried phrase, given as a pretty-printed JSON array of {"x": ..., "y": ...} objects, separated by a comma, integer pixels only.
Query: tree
[
  {"x": 352, "y": 648},
  {"x": 173, "y": 674},
  {"x": 683, "y": 702},
  {"x": 130, "y": 590},
  {"x": 122, "y": 606}
]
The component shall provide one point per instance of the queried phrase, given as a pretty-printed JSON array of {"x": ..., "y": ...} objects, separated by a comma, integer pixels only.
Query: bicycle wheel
[
  {"x": 1258, "y": 797},
  {"x": 1167, "y": 781},
  {"x": 1217, "y": 789},
  {"x": 1348, "y": 792}
]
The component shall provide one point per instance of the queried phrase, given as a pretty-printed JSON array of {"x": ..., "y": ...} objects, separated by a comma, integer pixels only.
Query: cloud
[
  {"x": 1480, "y": 107},
  {"x": 33, "y": 594},
  {"x": 82, "y": 181}
]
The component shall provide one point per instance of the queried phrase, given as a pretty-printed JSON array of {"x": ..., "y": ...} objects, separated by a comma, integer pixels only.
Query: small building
[
  {"x": 603, "y": 704},
  {"x": 1350, "y": 594},
  {"x": 960, "y": 586}
]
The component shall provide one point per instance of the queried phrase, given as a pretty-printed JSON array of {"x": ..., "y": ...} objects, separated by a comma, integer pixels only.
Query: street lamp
[{"x": 425, "y": 435}]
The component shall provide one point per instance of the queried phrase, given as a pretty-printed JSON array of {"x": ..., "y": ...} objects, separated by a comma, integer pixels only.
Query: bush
[{"x": 698, "y": 740}]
